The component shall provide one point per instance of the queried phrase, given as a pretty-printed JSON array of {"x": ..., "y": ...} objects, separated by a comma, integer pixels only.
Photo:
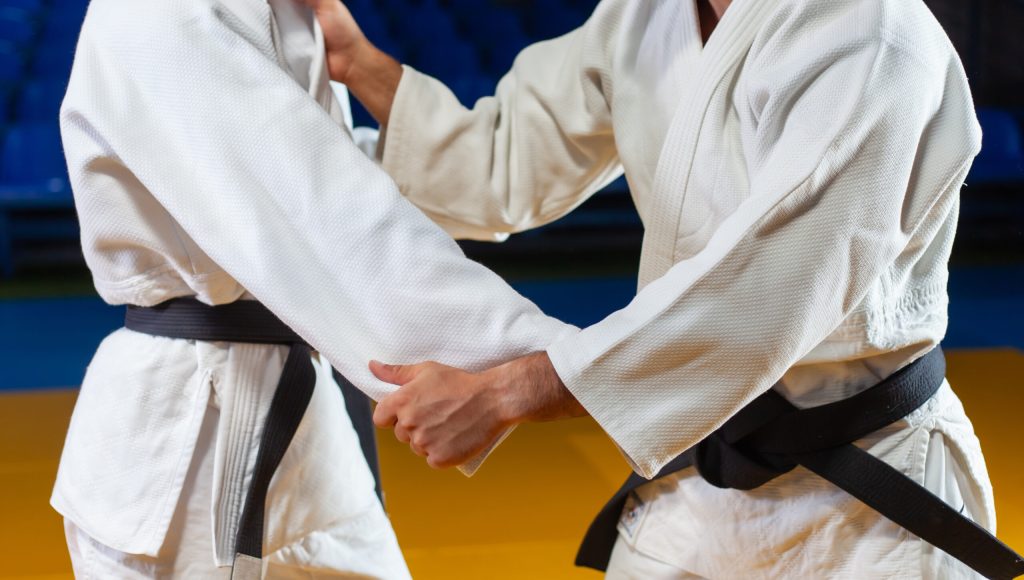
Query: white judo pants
[
  {"x": 363, "y": 547},
  {"x": 801, "y": 526}
]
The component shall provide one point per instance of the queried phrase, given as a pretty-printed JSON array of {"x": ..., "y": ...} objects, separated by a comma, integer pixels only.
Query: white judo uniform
[
  {"x": 798, "y": 179},
  {"x": 209, "y": 158}
]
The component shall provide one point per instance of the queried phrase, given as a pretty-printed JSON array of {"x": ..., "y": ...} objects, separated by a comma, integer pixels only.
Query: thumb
[{"x": 394, "y": 374}]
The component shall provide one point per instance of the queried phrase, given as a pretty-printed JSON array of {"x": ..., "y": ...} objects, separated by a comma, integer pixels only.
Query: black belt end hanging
[
  {"x": 250, "y": 322},
  {"x": 771, "y": 436}
]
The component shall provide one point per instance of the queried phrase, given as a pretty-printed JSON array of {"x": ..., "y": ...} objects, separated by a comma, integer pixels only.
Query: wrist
[
  {"x": 529, "y": 389},
  {"x": 372, "y": 77},
  {"x": 343, "y": 62},
  {"x": 501, "y": 381}
]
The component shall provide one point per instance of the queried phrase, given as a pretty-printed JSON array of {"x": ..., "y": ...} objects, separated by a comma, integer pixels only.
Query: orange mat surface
[{"x": 520, "y": 517}]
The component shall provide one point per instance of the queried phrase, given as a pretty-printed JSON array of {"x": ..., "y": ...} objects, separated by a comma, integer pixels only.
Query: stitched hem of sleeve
[
  {"x": 403, "y": 111},
  {"x": 569, "y": 362}
]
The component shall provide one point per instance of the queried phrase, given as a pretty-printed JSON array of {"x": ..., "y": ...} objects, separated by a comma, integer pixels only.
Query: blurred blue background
[{"x": 468, "y": 44}]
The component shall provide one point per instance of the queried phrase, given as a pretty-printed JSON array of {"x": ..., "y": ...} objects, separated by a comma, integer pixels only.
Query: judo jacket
[
  {"x": 798, "y": 179},
  {"x": 209, "y": 158}
]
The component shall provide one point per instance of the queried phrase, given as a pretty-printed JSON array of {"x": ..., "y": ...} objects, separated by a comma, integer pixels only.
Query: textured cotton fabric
[
  {"x": 798, "y": 179},
  {"x": 302, "y": 543},
  {"x": 798, "y": 526},
  {"x": 209, "y": 158}
]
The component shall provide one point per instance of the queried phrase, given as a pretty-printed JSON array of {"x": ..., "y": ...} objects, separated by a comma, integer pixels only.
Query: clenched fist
[{"x": 450, "y": 416}]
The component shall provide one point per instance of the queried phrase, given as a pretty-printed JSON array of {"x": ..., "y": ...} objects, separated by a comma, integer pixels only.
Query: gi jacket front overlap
[
  {"x": 798, "y": 177},
  {"x": 208, "y": 158}
]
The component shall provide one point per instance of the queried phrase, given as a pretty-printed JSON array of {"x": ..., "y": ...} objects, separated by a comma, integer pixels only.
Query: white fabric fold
[
  {"x": 798, "y": 178},
  {"x": 209, "y": 158}
]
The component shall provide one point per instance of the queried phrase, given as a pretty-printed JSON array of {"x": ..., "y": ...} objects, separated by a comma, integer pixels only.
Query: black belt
[
  {"x": 248, "y": 321},
  {"x": 771, "y": 436}
]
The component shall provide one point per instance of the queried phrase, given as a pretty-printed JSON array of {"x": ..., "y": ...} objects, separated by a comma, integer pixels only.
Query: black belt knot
[
  {"x": 771, "y": 436},
  {"x": 732, "y": 456}
]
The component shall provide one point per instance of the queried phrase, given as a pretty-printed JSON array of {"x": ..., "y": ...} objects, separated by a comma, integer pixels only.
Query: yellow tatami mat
[{"x": 520, "y": 517}]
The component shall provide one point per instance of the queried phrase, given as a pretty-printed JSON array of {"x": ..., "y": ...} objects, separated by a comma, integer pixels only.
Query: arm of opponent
[
  {"x": 855, "y": 153},
  {"x": 277, "y": 194},
  {"x": 516, "y": 160}
]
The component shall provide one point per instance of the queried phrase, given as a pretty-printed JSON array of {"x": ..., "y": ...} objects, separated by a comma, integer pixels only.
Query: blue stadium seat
[
  {"x": 469, "y": 9},
  {"x": 555, "y": 19},
  {"x": 12, "y": 64},
  {"x": 397, "y": 6},
  {"x": 53, "y": 62},
  {"x": 32, "y": 168},
  {"x": 470, "y": 88},
  {"x": 68, "y": 9},
  {"x": 422, "y": 24},
  {"x": 5, "y": 108},
  {"x": 447, "y": 59},
  {"x": 70, "y": 5},
  {"x": 1002, "y": 156},
  {"x": 17, "y": 26},
  {"x": 61, "y": 31},
  {"x": 390, "y": 46},
  {"x": 499, "y": 36},
  {"x": 59, "y": 35},
  {"x": 375, "y": 27},
  {"x": 502, "y": 55},
  {"x": 32, "y": 176},
  {"x": 40, "y": 100},
  {"x": 28, "y": 5},
  {"x": 363, "y": 11},
  {"x": 495, "y": 25}
]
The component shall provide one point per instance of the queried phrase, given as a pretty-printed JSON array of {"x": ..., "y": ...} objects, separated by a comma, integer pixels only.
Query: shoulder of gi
[
  {"x": 157, "y": 25},
  {"x": 819, "y": 28},
  {"x": 902, "y": 36}
]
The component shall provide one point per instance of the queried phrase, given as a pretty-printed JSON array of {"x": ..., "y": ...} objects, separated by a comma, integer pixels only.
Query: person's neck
[
  {"x": 719, "y": 7},
  {"x": 710, "y": 12}
]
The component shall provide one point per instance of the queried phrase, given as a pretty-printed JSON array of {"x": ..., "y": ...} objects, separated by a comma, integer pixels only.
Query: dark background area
[{"x": 469, "y": 44}]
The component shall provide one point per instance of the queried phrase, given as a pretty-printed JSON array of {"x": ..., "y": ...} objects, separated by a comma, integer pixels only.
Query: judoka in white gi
[
  {"x": 797, "y": 172},
  {"x": 209, "y": 158}
]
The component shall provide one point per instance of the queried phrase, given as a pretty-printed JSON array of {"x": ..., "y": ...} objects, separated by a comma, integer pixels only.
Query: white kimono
[
  {"x": 209, "y": 158},
  {"x": 798, "y": 180}
]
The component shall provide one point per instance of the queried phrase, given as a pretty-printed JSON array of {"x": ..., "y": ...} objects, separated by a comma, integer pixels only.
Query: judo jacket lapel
[{"x": 730, "y": 42}]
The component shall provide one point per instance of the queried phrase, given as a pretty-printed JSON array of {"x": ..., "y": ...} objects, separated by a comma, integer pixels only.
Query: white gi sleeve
[
  {"x": 278, "y": 195},
  {"x": 522, "y": 158},
  {"x": 857, "y": 144}
]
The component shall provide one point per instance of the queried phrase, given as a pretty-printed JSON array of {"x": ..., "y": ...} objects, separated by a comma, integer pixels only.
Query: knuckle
[{"x": 419, "y": 440}]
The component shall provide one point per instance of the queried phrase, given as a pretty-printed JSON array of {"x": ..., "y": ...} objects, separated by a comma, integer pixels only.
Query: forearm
[
  {"x": 370, "y": 74},
  {"x": 472, "y": 171},
  {"x": 529, "y": 390},
  {"x": 373, "y": 78}
]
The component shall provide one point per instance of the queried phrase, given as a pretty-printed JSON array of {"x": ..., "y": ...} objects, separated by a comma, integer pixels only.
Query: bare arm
[
  {"x": 529, "y": 154},
  {"x": 370, "y": 74}
]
